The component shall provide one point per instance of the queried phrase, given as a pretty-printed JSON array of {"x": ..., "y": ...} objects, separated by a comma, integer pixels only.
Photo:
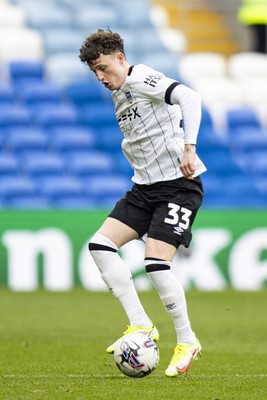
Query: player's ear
[{"x": 121, "y": 57}]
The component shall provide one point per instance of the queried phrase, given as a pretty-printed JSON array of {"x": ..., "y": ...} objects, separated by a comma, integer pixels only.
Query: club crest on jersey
[{"x": 129, "y": 96}]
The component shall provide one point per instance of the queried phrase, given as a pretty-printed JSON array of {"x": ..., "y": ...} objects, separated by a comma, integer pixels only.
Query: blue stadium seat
[
  {"x": 242, "y": 117},
  {"x": 244, "y": 192},
  {"x": 85, "y": 93},
  {"x": 232, "y": 202},
  {"x": 44, "y": 165},
  {"x": 48, "y": 16},
  {"x": 103, "y": 186},
  {"x": 107, "y": 202},
  {"x": 52, "y": 117},
  {"x": 254, "y": 162},
  {"x": 110, "y": 138},
  {"x": 136, "y": 17},
  {"x": 89, "y": 19},
  {"x": 261, "y": 183},
  {"x": 129, "y": 39},
  {"x": 14, "y": 116},
  {"x": 74, "y": 203},
  {"x": 26, "y": 71},
  {"x": 122, "y": 165},
  {"x": 28, "y": 202},
  {"x": 248, "y": 139},
  {"x": 40, "y": 93},
  {"x": 6, "y": 95},
  {"x": 98, "y": 117},
  {"x": 208, "y": 141},
  {"x": 60, "y": 188},
  {"x": 150, "y": 43},
  {"x": 231, "y": 192},
  {"x": 2, "y": 136},
  {"x": 213, "y": 188},
  {"x": 69, "y": 139},
  {"x": 15, "y": 187},
  {"x": 86, "y": 164},
  {"x": 163, "y": 61},
  {"x": 59, "y": 40},
  {"x": 220, "y": 162},
  {"x": 9, "y": 164},
  {"x": 206, "y": 120},
  {"x": 21, "y": 140},
  {"x": 74, "y": 69}
]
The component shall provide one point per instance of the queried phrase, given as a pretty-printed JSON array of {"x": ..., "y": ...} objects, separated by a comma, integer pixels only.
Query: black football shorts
[{"x": 164, "y": 210}]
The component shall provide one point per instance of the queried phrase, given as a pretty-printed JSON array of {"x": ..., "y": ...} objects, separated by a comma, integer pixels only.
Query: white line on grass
[{"x": 78, "y": 376}]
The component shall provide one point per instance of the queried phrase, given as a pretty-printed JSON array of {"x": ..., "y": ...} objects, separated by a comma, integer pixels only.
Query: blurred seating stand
[
  {"x": 11, "y": 15},
  {"x": 59, "y": 138},
  {"x": 25, "y": 71},
  {"x": 20, "y": 44}
]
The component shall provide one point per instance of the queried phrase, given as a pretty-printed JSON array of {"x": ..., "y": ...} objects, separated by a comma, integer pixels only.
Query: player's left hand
[{"x": 187, "y": 165}]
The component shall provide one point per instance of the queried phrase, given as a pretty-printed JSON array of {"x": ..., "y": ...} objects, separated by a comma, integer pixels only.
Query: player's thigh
[
  {"x": 159, "y": 249},
  {"x": 133, "y": 212},
  {"x": 117, "y": 231}
]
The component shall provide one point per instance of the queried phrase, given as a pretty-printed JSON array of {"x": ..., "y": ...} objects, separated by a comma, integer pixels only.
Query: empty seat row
[
  {"x": 105, "y": 190},
  {"x": 24, "y": 139},
  {"x": 77, "y": 162},
  {"x": 199, "y": 65},
  {"x": 30, "y": 90},
  {"x": 31, "y": 96},
  {"x": 57, "y": 190},
  {"x": 237, "y": 82},
  {"x": 64, "y": 114},
  {"x": 65, "y": 154},
  {"x": 54, "y": 31},
  {"x": 41, "y": 14},
  {"x": 234, "y": 193}
]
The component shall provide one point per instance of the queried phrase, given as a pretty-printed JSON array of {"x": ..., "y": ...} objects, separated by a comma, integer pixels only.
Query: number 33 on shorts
[{"x": 179, "y": 216}]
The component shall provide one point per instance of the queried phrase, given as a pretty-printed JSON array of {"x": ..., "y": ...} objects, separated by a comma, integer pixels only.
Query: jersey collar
[{"x": 130, "y": 70}]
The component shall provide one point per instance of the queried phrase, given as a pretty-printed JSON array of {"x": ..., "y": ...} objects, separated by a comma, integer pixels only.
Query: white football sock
[
  {"x": 172, "y": 296},
  {"x": 118, "y": 278}
]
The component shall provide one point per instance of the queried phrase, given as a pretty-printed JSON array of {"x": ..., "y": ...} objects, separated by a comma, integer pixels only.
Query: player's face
[{"x": 111, "y": 70}]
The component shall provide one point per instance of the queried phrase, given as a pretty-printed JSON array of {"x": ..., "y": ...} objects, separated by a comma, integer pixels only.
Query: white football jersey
[{"x": 153, "y": 134}]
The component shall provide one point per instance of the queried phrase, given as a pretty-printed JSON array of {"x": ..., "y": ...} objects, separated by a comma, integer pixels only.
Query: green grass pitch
[{"x": 52, "y": 346}]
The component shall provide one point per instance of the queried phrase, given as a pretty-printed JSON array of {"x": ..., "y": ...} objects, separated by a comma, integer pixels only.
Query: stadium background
[{"x": 61, "y": 168}]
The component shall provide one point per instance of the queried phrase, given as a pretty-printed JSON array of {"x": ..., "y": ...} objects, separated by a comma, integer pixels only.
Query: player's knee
[
  {"x": 101, "y": 243},
  {"x": 155, "y": 264},
  {"x": 102, "y": 251}
]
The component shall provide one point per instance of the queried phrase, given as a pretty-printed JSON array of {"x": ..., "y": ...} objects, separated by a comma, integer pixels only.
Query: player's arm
[{"x": 190, "y": 104}]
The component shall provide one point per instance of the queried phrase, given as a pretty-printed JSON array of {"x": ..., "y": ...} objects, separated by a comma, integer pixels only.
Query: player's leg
[
  {"x": 171, "y": 226},
  {"x": 158, "y": 266},
  {"x": 103, "y": 247}
]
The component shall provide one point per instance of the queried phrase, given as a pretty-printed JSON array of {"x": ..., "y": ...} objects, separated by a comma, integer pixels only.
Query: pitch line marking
[{"x": 90, "y": 376}]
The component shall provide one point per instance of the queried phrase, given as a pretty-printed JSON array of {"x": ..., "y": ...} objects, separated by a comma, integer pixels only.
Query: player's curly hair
[{"x": 100, "y": 42}]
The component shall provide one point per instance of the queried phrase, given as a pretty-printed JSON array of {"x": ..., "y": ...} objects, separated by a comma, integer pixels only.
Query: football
[{"x": 136, "y": 355}]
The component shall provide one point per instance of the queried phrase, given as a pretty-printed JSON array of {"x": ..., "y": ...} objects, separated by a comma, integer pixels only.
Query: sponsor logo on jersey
[
  {"x": 152, "y": 80},
  {"x": 131, "y": 114}
]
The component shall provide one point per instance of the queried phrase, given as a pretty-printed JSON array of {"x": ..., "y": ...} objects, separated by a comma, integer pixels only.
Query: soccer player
[{"x": 159, "y": 119}]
